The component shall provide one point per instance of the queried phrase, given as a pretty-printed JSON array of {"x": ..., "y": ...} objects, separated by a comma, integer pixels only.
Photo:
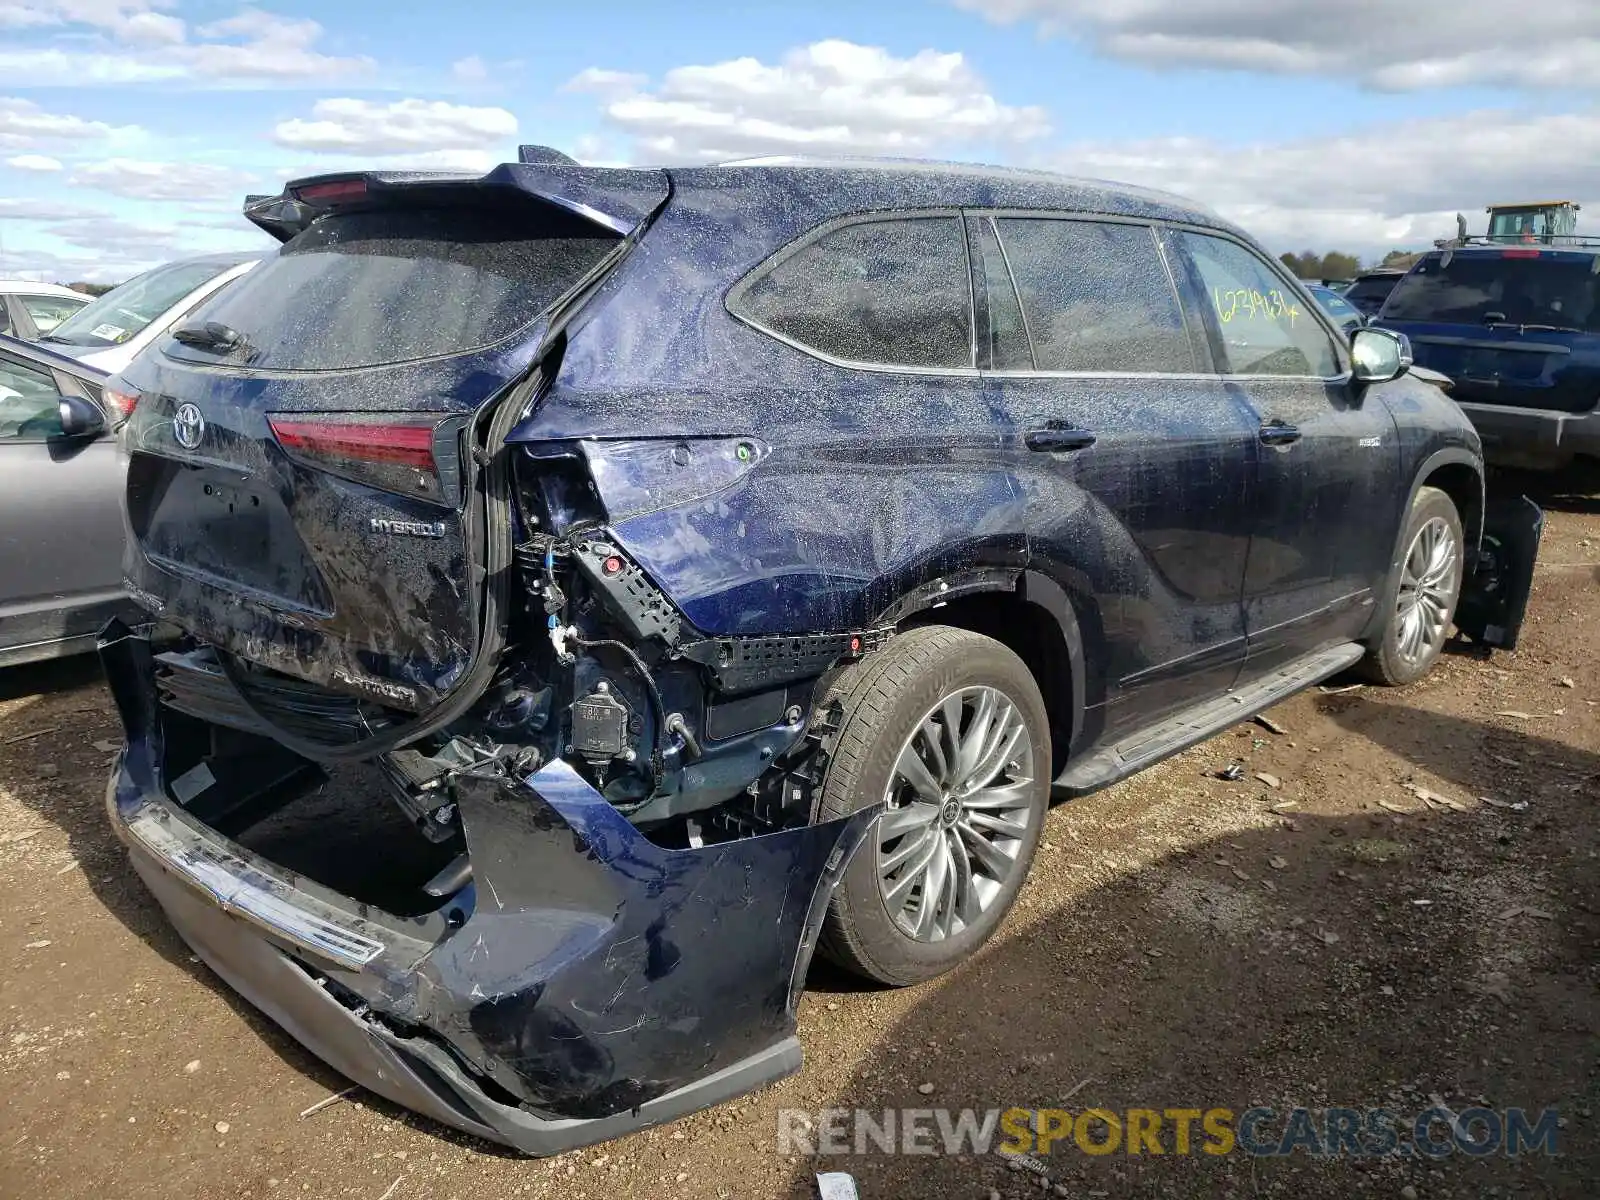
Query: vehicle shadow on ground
[
  {"x": 1283, "y": 966},
  {"x": 1573, "y": 489},
  {"x": 70, "y": 794},
  {"x": 53, "y": 675}
]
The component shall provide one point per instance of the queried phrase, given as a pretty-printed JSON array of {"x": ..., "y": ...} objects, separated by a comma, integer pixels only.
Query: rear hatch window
[
  {"x": 125, "y": 311},
  {"x": 1512, "y": 287},
  {"x": 1369, "y": 293},
  {"x": 360, "y": 289}
]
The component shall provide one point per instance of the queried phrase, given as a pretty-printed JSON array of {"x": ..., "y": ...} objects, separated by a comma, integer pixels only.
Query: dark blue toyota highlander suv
[{"x": 636, "y": 580}]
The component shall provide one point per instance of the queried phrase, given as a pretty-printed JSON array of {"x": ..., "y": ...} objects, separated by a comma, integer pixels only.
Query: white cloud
[
  {"x": 117, "y": 236},
  {"x": 115, "y": 42},
  {"x": 131, "y": 20},
  {"x": 62, "y": 68},
  {"x": 471, "y": 69},
  {"x": 595, "y": 151},
  {"x": 1368, "y": 189},
  {"x": 142, "y": 180},
  {"x": 23, "y": 124},
  {"x": 257, "y": 45},
  {"x": 155, "y": 29},
  {"x": 459, "y": 162},
  {"x": 430, "y": 132},
  {"x": 34, "y": 162},
  {"x": 831, "y": 97},
  {"x": 15, "y": 208},
  {"x": 602, "y": 82},
  {"x": 1385, "y": 44},
  {"x": 112, "y": 260}
]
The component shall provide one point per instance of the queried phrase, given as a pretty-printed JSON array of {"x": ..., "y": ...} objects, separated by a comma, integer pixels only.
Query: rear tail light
[
  {"x": 120, "y": 400},
  {"x": 393, "y": 452},
  {"x": 337, "y": 191},
  {"x": 1519, "y": 254}
]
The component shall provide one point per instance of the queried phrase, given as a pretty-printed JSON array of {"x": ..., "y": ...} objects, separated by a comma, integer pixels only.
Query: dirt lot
[{"x": 1184, "y": 942}]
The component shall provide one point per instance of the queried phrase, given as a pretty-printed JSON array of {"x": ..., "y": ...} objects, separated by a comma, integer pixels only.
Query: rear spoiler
[{"x": 614, "y": 199}]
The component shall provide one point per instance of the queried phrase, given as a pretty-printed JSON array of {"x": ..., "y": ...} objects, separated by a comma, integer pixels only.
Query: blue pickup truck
[{"x": 1518, "y": 330}]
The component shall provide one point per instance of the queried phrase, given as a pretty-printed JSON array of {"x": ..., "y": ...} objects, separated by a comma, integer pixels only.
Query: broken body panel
[{"x": 583, "y": 974}]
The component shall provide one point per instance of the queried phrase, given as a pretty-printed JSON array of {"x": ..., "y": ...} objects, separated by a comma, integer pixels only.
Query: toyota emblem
[{"x": 188, "y": 426}]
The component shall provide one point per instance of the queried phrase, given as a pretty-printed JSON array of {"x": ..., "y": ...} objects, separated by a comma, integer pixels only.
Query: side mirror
[
  {"x": 80, "y": 417},
  {"x": 1379, "y": 355}
]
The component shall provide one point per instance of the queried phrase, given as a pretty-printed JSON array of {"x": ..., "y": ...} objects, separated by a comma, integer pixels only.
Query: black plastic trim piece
[{"x": 743, "y": 664}]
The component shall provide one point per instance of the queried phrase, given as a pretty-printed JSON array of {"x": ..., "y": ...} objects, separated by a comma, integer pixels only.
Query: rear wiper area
[{"x": 213, "y": 335}]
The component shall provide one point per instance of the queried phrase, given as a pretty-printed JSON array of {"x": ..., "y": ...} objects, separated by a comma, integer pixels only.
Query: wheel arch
[
  {"x": 1030, "y": 614},
  {"x": 1458, "y": 473}
]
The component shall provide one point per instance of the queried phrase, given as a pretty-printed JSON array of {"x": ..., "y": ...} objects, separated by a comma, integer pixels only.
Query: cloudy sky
[{"x": 131, "y": 129}]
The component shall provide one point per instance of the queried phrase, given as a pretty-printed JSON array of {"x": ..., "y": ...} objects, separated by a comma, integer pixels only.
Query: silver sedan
[{"x": 61, "y": 533}]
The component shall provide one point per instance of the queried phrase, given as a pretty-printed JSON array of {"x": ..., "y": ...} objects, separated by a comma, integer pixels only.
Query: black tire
[
  {"x": 1388, "y": 663},
  {"x": 876, "y": 706}
]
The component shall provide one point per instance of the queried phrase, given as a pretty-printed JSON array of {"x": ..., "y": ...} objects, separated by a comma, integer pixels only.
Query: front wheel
[
  {"x": 1423, "y": 593},
  {"x": 947, "y": 729}
]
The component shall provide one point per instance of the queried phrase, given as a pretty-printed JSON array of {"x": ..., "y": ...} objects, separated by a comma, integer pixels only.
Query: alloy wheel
[
  {"x": 959, "y": 811},
  {"x": 1428, "y": 586}
]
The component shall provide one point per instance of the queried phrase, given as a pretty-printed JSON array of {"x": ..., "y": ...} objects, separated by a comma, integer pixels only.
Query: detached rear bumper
[
  {"x": 587, "y": 984},
  {"x": 1531, "y": 435}
]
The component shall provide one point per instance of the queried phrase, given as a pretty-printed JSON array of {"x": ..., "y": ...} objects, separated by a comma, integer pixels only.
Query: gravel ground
[{"x": 1326, "y": 937}]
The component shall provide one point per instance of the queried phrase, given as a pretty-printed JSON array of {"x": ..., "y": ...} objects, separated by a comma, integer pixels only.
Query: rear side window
[
  {"x": 364, "y": 288},
  {"x": 1096, "y": 296},
  {"x": 1507, "y": 287},
  {"x": 49, "y": 311},
  {"x": 891, "y": 293},
  {"x": 1265, "y": 325}
]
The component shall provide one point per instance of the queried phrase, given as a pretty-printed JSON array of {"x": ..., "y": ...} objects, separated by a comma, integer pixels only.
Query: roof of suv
[
  {"x": 792, "y": 190},
  {"x": 923, "y": 183}
]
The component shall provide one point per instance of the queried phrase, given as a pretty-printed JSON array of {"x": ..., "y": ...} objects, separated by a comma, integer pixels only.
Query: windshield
[
  {"x": 1372, "y": 288},
  {"x": 362, "y": 288},
  {"x": 124, "y": 311},
  {"x": 1336, "y": 304},
  {"x": 1500, "y": 288}
]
